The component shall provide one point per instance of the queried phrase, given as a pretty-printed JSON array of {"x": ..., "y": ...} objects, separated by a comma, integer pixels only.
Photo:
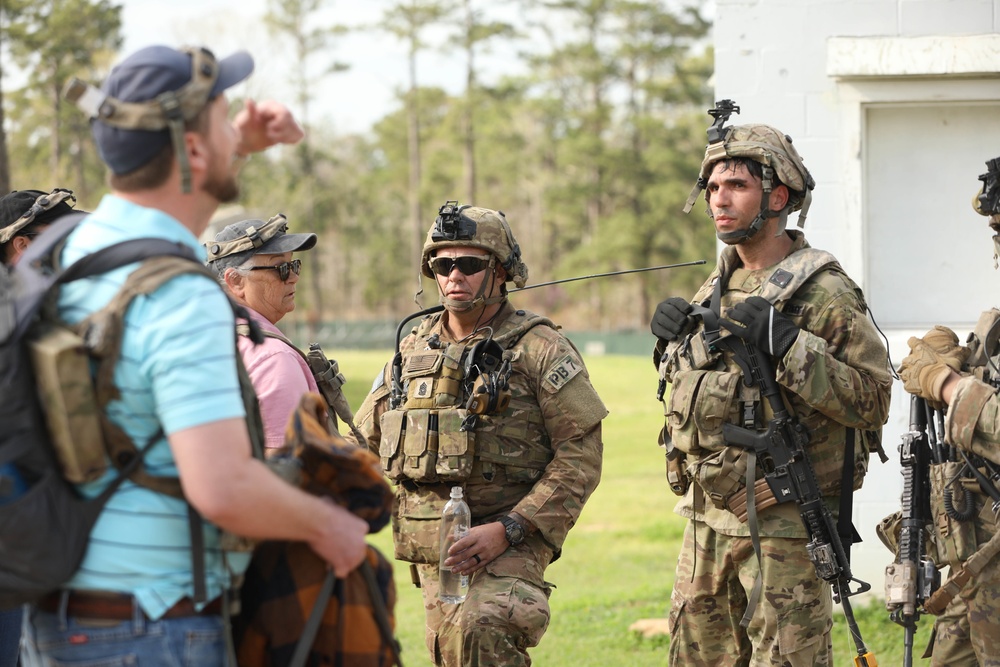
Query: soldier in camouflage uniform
[
  {"x": 496, "y": 400},
  {"x": 797, "y": 305},
  {"x": 964, "y": 379}
]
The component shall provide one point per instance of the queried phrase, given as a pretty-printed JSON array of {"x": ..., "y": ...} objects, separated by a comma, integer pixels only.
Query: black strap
[{"x": 845, "y": 526}]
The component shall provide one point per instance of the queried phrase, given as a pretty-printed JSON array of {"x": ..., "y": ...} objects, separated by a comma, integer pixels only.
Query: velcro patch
[
  {"x": 379, "y": 381},
  {"x": 793, "y": 309},
  {"x": 781, "y": 278},
  {"x": 561, "y": 372}
]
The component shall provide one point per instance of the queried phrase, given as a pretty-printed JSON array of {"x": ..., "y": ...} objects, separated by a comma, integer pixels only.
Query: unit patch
[
  {"x": 564, "y": 370},
  {"x": 781, "y": 278}
]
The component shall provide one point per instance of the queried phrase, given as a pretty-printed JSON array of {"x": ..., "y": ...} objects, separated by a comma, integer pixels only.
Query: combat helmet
[
  {"x": 986, "y": 202},
  {"x": 773, "y": 150},
  {"x": 476, "y": 227}
]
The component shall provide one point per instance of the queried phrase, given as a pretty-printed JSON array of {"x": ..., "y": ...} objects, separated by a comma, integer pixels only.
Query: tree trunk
[
  {"x": 4, "y": 156},
  {"x": 467, "y": 111}
]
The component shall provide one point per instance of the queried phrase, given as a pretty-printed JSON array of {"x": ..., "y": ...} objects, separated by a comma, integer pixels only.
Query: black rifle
[
  {"x": 913, "y": 577},
  {"x": 791, "y": 478}
]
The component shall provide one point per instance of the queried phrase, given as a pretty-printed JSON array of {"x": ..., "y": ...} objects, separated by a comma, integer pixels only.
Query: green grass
[{"x": 618, "y": 562}]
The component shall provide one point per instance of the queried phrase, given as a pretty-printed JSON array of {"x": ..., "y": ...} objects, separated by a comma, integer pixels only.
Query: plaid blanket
[{"x": 284, "y": 578}]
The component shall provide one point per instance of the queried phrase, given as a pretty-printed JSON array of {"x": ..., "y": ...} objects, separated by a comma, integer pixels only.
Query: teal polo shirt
[{"x": 177, "y": 370}]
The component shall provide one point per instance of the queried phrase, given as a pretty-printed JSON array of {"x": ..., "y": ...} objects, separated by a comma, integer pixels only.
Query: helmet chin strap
[
  {"x": 742, "y": 235},
  {"x": 461, "y": 306}
]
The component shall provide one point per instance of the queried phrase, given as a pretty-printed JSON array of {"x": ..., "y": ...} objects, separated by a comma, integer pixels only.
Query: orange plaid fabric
[{"x": 284, "y": 578}]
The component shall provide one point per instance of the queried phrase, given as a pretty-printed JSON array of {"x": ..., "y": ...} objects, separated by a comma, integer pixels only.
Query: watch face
[{"x": 513, "y": 530}]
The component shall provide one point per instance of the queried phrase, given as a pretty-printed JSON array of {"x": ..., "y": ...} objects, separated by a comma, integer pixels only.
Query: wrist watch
[{"x": 513, "y": 530}]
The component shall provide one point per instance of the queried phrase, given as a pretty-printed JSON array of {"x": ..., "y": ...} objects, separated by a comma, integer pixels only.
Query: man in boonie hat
[{"x": 161, "y": 124}]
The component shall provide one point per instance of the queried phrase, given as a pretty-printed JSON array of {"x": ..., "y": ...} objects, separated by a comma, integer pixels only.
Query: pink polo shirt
[{"x": 280, "y": 376}]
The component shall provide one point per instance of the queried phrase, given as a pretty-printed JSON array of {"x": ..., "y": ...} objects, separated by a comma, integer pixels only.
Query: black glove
[
  {"x": 758, "y": 322},
  {"x": 671, "y": 320}
]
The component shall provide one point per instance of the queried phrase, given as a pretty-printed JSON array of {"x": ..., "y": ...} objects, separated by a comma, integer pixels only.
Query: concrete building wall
[{"x": 895, "y": 107}]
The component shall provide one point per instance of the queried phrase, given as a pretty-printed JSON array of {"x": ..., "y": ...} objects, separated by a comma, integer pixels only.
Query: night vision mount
[
  {"x": 721, "y": 113},
  {"x": 988, "y": 202},
  {"x": 452, "y": 225}
]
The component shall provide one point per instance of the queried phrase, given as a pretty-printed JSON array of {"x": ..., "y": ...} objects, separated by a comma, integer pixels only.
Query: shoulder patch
[{"x": 562, "y": 371}]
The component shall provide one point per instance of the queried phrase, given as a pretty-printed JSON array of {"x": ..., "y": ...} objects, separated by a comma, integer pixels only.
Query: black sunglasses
[
  {"x": 284, "y": 269},
  {"x": 466, "y": 264}
]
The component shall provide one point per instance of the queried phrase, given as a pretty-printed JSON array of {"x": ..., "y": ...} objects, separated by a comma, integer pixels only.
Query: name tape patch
[{"x": 562, "y": 372}]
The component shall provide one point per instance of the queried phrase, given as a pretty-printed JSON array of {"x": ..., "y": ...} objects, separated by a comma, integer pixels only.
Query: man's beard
[{"x": 222, "y": 185}]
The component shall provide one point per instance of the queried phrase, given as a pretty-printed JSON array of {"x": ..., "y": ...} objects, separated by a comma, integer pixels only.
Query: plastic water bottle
[{"x": 455, "y": 522}]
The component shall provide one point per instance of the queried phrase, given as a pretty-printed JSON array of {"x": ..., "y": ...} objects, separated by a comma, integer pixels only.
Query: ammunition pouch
[
  {"x": 956, "y": 539},
  {"x": 721, "y": 475},
  {"x": 426, "y": 446},
  {"x": 700, "y": 402},
  {"x": 417, "y": 523},
  {"x": 62, "y": 372}
]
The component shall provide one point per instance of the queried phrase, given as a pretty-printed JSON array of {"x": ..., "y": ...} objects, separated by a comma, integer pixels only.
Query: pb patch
[{"x": 562, "y": 371}]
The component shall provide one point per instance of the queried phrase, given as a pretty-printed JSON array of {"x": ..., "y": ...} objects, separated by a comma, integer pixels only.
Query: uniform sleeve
[
  {"x": 973, "y": 419},
  {"x": 572, "y": 412},
  {"x": 838, "y": 364},
  {"x": 369, "y": 415}
]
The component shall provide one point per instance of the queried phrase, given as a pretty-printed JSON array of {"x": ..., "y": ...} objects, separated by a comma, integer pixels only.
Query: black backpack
[{"x": 44, "y": 523}]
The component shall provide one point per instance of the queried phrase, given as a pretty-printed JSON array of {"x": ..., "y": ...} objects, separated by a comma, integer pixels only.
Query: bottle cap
[{"x": 456, "y": 492}]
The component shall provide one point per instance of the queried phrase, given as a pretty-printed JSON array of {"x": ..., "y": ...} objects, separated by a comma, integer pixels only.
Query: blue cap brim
[{"x": 232, "y": 70}]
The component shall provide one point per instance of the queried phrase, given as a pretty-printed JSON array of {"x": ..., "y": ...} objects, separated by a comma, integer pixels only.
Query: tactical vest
[
  {"x": 430, "y": 437},
  {"x": 707, "y": 391}
]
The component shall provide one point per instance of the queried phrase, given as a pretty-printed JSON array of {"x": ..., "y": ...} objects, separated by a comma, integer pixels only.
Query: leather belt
[{"x": 117, "y": 606}]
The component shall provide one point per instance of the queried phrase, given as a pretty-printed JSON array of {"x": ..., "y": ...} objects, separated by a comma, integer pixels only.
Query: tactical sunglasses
[
  {"x": 285, "y": 269},
  {"x": 466, "y": 264}
]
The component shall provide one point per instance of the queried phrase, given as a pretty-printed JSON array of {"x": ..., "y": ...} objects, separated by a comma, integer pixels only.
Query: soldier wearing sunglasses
[
  {"x": 254, "y": 261},
  {"x": 494, "y": 399}
]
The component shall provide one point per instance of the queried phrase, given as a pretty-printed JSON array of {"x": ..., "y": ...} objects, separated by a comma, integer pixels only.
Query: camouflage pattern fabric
[
  {"x": 503, "y": 616},
  {"x": 951, "y": 644},
  {"x": 834, "y": 377},
  {"x": 715, "y": 574},
  {"x": 541, "y": 458}
]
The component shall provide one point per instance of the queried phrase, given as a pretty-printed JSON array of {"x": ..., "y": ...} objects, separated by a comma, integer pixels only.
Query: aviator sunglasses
[
  {"x": 284, "y": 269},
  {"x": 466, "y": 264}
]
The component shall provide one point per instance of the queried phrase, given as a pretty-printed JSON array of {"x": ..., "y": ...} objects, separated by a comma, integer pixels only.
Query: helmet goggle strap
[
  {"x": 42, "y": 204},
  {"x": 169, "y": 110},
  {"x": 252, "y": 239}
]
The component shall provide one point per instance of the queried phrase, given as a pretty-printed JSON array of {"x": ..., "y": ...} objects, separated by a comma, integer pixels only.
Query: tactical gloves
[
  {"x": 759, "y": 323},
  {"x": 672, "y": 319},
  {"x": 930, "y": 362}
]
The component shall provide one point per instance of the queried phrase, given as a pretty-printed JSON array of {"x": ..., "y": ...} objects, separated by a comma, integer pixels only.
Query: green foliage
[
  {"x": 591, "y": 154},
  {"x": 618, "y": 563}
]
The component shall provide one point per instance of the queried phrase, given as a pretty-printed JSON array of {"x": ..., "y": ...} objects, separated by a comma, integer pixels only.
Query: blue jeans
[
  {"x": 192, "y": 640},
  {"x": 10, "y": 636}
]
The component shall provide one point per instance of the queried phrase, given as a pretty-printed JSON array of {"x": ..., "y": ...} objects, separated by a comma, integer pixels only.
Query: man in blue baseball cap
[{"x": 161, "y": 125}]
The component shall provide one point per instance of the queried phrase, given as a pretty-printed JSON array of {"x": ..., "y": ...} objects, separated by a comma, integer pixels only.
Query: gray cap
[{"x": 240, "y": 241}]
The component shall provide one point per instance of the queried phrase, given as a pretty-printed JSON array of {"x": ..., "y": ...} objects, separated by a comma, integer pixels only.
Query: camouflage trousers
[
  {"x": 715, "y": 575},
  {"x": 951, "y": 642},
  {"x": 502, "y": 617}
]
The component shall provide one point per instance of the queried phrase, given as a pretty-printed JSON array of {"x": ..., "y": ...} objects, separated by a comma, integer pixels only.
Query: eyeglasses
[
  {"x": 285, "y": 269},
  {"x": 467, "y": 264}
]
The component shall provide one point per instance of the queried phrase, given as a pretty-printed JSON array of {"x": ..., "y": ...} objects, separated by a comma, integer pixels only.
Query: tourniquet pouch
[
  {"x": 700, "y": 402},
  {"x": 956, "y": 539},
  {"x": 455, "y": 447},
  {"x": 418, "y": 522}
]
